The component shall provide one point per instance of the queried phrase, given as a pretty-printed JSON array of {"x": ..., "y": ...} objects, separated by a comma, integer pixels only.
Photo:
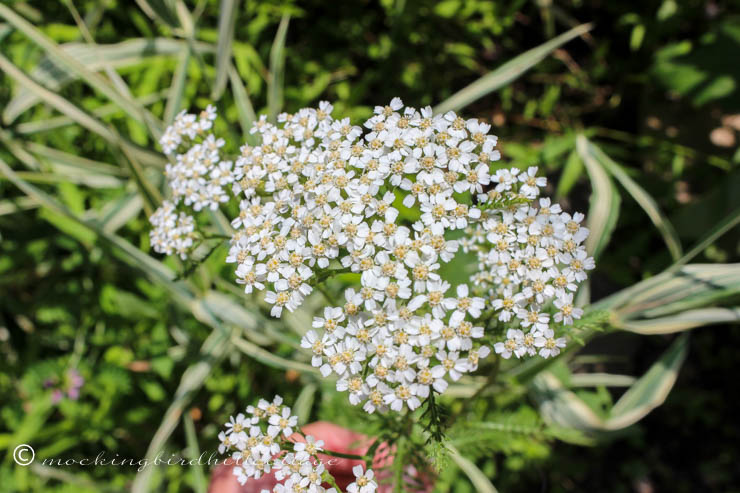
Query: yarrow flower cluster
[
  {"x": 197, "y": 177},
  {"x": 171, "y": 233},
  {"x": 316, "y": 191},
  {"x": 392, "y": 201},
  {"x": 530, "y": 257},
  {"x": 261, "y": 441}
]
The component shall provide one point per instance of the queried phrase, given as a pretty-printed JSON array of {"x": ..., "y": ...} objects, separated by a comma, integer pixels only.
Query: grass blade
[
  {"x": 732, "y": 220},
  {"x": 600, "y": 379},
  {"x": 116, "y": 213},
  {"x": 194, "y": 453},
  {"x": 19, "y": 151},
  {"x": 651, "y": 390},
  {"x": 61, "y": 161},
  {"x": 116, "y": 79},
  {"x": 244, "y": 107},
  {"x": 212, "y": 352},
  {"x": 17, "y": 205},
  {"x": 226, "y": 23},
  {"x": 508, "y": 72},
  {"x": 150, "y": 193},
  {"x": 177, "y": 88},
  {"x": 123, "y": 54},
  {"x": 267, "y": 358},
  {"x": 480, "y": 481},
  {"x": 93, "y": 79},
  {"x": 643, "y": 198},
  {"x": 155, "y": 270},
  {"x": 562, "y": 407},
  {"x": 55, "y": 122},
  {"x": 690, "y": 319},
  {"x": 72, "y": 111},
  {"x": 304, "y": 403},
  {"x": 89, "y": 180},
  {"x": 72, "y": 480},
  {"x": 277, "y": 70},
  {"x": 692, "y": 286},
  {"x": 158, "y": 12},
  {"x": 571, "y": 173},
  {"x": 236, "y": 315},
  {"x": 604, "y": 203}
]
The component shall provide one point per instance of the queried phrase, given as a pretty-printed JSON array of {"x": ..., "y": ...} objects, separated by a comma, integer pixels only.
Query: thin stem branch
[
  {"x": 332, "y": 453},
  {"x": 327, "y": 274},
  {"x": 342, "y": 455}
]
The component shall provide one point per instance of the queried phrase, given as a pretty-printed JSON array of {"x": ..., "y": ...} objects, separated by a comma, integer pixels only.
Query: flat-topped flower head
[{"x": 391, "y": 200}]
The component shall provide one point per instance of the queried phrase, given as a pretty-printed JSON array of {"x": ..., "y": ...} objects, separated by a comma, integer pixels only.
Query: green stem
[
  {"x": 342, "y": 455},
  {"x": 330, "y": 452},
  {"x": 328, "y": 478},
  {"x": 215, "y": 237},
  {"x": 370, "y": 454}
]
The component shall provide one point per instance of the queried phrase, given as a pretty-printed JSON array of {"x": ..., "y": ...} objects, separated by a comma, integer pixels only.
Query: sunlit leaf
[
  {"x": 560, "y": 406},
  {"x": 508, "y": 72},
  {"x": 689, "y": 319},
  {"x": 226, "y": 22},
  {"x": 480, "y": 481},
  {"x": 604, "y": 202}
]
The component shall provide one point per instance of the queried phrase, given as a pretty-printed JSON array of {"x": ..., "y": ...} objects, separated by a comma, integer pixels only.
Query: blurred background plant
[{"x": 634, "y": 117}]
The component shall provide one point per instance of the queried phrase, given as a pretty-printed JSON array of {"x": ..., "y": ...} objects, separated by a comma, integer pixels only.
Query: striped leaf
[
  {"x": 562, "y": 407},
  {"x": 643, "y": 198},
  {"x": 177, "y": 88},
  {"x": 304, "y": 403},
  {"x": 480, "y": 481},
  {"x": 604, "y": 202},
  {"x": 600, "y": 379},
  {"x": 277, "y": 70},
  {"x": 244, "y": 107},
  {"x": 191, "y": 438},
  {"x": 226, "y": 23},
  {"x": 693, "y": 286},
  {"x": 78, "y": 115},
  {"x": 94, "y": 57},
  {"x": 508, "y": 72},
  {"x": 101, "y": 112},
  {"x": 651, "y": 390},
  {"x": 679, "y": 322},
  {"x": 70, "y": 63},
  {"x": 117, "y": 213}
]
